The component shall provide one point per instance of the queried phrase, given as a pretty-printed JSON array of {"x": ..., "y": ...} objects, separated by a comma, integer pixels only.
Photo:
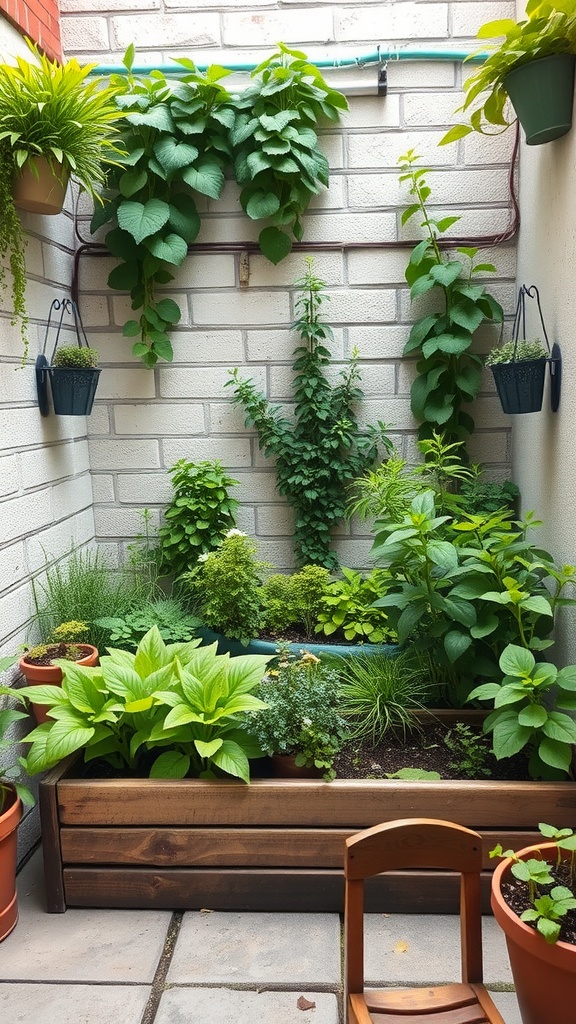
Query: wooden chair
[{"x": 416, "y": 843}]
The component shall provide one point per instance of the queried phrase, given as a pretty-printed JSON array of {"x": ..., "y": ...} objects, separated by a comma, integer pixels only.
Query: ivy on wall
[{"x": 181, "y": 138}]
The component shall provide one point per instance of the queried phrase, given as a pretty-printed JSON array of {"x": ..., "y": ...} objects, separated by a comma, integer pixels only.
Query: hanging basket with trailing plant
[{"x": 519, "y": 366}]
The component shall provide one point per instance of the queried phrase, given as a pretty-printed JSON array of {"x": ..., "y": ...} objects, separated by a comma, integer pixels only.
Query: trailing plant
[
  {"x": 323, "y": 449},
  {"x": 10, "y": 774},
  {"x": 449, "y": 373},
  {"x": 347, "y": 609},
  {"x": 174, "y": 623},
  {"x": 13, "y": 241},
  {"x": 177, "y": 706},
  {"x": 198, "y": 516},
  {"x": 301, "y": 715},
  {"x": 469, "y": 751},
  {"x": 546, "y": 910},
  {"x": 226, "y": 588},
  {"x": 516, "y": 352},
  {"x": 72, "y": 355},
  {"x": 550, "y": 28},
  {"x": 380, "y": 693},
  {"x": 461, "y": 588},
  {"x": 277, "y": 159},
  {"x": 526, "y": 712},
  {"x": 176, "y": 134},
  {"x": 293, "y": 600}
]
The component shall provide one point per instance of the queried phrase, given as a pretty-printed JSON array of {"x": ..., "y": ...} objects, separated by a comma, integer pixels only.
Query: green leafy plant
[
  {"x": 294, "y": 600},
  {"x": 175, "y": 133},
  {"x": 226, "y": 588},
  {"x": 277, "y": 159},
  {"x": 301, "y": 716},
  {"x": 198, "y": 516},
  {"x": 72, "y": 355},
  {"x": 526, "y": 711},
  {"x": 481, "y": 497},
  {"x": 10, "y": 774},
  {"x": 174, "y": 623},
  {"x": 516, "y": 352},
  {"x": 52, "y": 111},
  {"x": 469, "y": 751},
  {"x": 449, "y": 373},
  {"x": 462, "y": 587},
  {"x": 319, "y": 453},
  {"x": 550, "y": 28},
  {"x": 380, "y": 693},
  {"x": 547, "y": 910},
  {"x": 178, "y": 699},
  {"x": 347, "y": 609}
]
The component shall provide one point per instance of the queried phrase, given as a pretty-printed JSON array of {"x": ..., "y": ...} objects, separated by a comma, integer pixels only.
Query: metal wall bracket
[{"x": 555, "y": 376}]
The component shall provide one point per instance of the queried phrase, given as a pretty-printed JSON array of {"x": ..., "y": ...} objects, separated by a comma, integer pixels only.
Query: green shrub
[
  {"x": 295, "y": 600},
  {"x": 347, "y": 609},
  {"x": 198, "y": 516}
]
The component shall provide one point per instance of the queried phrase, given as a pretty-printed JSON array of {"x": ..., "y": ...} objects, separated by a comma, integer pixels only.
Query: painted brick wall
[
  {"x": 145, "y": 421},
  {"x": 37, "y": 19}
]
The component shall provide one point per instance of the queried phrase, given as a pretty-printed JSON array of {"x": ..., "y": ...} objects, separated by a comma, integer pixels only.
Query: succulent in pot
[{"x": 533, "y": 902}]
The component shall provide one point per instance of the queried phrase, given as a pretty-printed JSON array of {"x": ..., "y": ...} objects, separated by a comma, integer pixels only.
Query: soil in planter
[
  {"x": 425, "y": 749},
  {"x": 515, "y": 893},
  {"x": 53, "y": 652}
]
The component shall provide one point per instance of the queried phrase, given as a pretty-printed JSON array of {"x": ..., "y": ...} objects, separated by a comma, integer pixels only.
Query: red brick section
[{"x": 37, "y": 19}]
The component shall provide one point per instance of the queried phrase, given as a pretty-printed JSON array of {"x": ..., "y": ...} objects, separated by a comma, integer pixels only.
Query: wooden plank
[
  {"x": 261, "y": 890},
  {"x": 356, "y": 803},
  {"x": 206, "y": 847},
  {"x": 54, "y": 882}
]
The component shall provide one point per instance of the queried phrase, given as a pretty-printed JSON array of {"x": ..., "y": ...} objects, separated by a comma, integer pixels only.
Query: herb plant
[
  {"x": 469, "y": 751},
  {"x": 295, "y": 600},
  {"x": 379, "y": 694},
  {"x": 174, "y": 623},
  {"x": 449, "y": 373},
  {"x": 550, "y": 28},
  {"x": 226, "y": 588},
  {"x": 169, "y": 710},
  {"x": 347, "y": 609},
  {"x": 301, "y": 716},
  {"x": 198, "y": 516},
  {"x": 277, "y": 159},
  {"x": 323, "y": 450},
  {"x": 72, "y": 355}
]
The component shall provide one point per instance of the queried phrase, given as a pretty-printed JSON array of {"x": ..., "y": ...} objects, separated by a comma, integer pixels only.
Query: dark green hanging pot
[
  {"x": 73, "y": 389},
  {"x": 542, "y": 93}
]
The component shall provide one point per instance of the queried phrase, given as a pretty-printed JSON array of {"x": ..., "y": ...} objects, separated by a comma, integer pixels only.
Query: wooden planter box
[{"x": 270, "y": 846}]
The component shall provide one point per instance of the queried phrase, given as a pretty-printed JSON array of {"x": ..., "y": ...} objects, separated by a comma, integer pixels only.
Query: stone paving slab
[
  {"x": 72, "y": 1004},
  {"x": 432, "y": 952},
  {"x": 80, "y": 945},
  {"x": 508, "y": 1006},
  {"x": 184, "y": 1005},
  {"x": 229, "y": 948}
]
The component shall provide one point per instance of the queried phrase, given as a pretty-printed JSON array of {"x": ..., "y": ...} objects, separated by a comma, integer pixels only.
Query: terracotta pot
[
  {"x": 41, "y": 192},
  {"x": 285, "y": 767},
  {"x": 8, "y": 849},
  {"x": 51, "y": 675},
  {"x": 544, "y": 974}
]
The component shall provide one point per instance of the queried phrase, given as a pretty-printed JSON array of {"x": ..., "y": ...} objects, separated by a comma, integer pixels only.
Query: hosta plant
[
  {"x": 168, "y": 710},
  {"x": 10, "y": 774}
]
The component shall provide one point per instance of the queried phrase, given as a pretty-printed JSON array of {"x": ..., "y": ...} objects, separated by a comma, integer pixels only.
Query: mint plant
[
  {"x": 323, "y": 449},
  {"x": 347, "y": 609},
  {"x": 449, "y": 373},
  {"x": 198, "y": 516}
]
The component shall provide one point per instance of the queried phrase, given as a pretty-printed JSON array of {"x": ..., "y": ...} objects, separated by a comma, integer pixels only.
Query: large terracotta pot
[
  {"x": 51, "y": 675},
  {"x": 40, "y": 191},
  {"x": 8, "y": 849},
  {"x": 544, "y": 974}
]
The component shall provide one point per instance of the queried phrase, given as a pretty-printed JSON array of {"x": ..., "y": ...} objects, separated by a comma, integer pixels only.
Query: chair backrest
[{"x": 413, "y": 843}]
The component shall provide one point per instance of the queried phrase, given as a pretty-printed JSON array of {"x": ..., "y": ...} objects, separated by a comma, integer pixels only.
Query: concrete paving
[{"x": 155, "y": 967}]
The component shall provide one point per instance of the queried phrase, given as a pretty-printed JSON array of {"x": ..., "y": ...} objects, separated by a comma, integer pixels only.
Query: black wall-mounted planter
[
  {"x": 520, "y": 385},
  {"x": 73, "y": 389}
]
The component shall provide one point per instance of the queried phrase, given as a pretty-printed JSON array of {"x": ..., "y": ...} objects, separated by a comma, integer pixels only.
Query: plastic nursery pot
[
  {"x": 73, "y": 389},
  {"x": 9, "y": 820},
  {"x": 520, "y": 385},
  {"x": 544, "y": 974},
  {"x": 542, "y": 93},
  {"x": 41, "y": 192},
  {"x": 40, "y": 675}
]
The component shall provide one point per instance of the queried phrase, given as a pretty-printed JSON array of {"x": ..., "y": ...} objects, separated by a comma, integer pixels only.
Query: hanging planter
[
  {"x": 73, "y": 373},
  {"x": 40, "y": 186},
  {"x": 519, "y": 366},
  {"x": 542, "y": 94}
]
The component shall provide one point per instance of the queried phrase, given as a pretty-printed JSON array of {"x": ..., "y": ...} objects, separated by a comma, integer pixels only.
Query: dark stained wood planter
[{"x": 272, "y": 845}]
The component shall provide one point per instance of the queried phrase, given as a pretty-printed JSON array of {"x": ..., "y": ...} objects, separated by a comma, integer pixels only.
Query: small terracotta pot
[
  {"x": 41, "y": 192},
  {"x": 544, "y": 974},
  {"x": 51, "y": 675},
  {"x": 9, "y": 820},
  {"x": 285, "y": 767}
]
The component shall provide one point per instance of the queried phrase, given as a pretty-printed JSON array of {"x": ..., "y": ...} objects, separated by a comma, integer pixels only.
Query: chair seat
[{"x": 444, "y": 1004}]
